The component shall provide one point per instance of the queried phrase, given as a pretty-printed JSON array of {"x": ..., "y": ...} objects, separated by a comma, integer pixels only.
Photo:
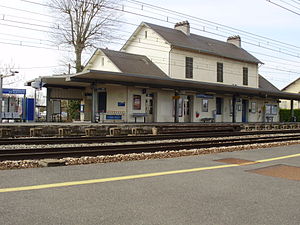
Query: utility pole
[{"x": 1, "y": 90}]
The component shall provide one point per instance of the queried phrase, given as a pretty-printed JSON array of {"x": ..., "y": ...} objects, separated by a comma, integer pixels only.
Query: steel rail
[
  {"x": 102, "y": 139},
  {"x": 78, "y": 151}
]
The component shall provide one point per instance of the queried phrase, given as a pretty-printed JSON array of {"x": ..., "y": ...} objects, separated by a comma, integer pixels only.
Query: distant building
[
  {"x": 170, "y": 75},
  {"x": 293, "y": 87}
]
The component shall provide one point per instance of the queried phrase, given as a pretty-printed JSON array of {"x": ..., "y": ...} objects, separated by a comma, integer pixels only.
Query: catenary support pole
[
  {"x": 1, "y": 96},
  {"x": 233, "y": 109},
  {"x": 48, "y": 105},
  {"x": 292, "y": 111},
  {"x": 176, "y": 114},
  {"x": 94, "y": 105}
]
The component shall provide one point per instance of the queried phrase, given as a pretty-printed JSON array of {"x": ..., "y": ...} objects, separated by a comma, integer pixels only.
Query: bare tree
[{"x": 85, "y": 24}]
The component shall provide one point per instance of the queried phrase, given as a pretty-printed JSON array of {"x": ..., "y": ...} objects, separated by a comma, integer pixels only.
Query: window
[
  {"x": 146, "y": 34},
  {"x": 219, "y": 72},
  {"x": 204, "y": 105},
  {"x": 188, "y": 67},
  {"x": 271, "y": 109},
  {"x": 137, "y": 102},
  {"x": 102, "y": 61},
  {"x": 245, "y": 76}
]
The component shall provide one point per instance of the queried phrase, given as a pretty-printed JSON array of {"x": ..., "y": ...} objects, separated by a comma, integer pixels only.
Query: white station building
[{"x": 169, "y": 75}]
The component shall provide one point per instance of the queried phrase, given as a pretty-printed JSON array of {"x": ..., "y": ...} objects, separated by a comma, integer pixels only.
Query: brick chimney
[
  {"x": 236, "y": 40},
  {"x": 183, "y": 26}
]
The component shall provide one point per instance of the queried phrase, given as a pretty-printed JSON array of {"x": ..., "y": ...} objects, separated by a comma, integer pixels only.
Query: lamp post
[{"x": 1, "y": 90}]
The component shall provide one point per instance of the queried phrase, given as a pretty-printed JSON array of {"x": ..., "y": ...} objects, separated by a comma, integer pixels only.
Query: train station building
[{"x": 169, "y": 75}]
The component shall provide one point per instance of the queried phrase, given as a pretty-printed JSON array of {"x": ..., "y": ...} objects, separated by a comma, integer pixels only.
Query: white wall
[
  {"x": 100, "y": 61},
  {"x": 163, "y": 110},
  {"x": 292, "y": 88},
  {"x": 154, "y": 47},
  {"x": 205, "y": 68}
]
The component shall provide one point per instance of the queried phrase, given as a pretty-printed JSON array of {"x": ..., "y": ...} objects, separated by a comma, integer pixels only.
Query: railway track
[
  {"x": 82, "y": 139},
  {"x": 78, "y": 151}
]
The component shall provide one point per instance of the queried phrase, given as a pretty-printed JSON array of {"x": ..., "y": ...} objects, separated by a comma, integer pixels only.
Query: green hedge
[{"x": 285, "y": 115}]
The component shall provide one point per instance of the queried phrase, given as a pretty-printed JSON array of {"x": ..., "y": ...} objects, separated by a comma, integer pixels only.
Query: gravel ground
[{"x": 141, "y": 156}]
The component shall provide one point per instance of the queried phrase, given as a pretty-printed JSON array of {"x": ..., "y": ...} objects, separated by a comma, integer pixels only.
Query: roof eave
[{"x": 188, "y": 84}]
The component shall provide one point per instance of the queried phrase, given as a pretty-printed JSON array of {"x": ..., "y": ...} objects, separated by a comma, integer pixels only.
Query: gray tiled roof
[
  {"x": 133, "y": 63},
  {"x": 203, "y": 44},
  {"x": 266, "y": 85}
]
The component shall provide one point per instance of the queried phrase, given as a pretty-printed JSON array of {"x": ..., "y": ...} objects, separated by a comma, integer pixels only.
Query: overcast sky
[{"x": 256, "y": 16}]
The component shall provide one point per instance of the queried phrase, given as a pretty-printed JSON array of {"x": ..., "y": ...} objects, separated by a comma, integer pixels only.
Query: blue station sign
[{"x": 14, "y": 91}]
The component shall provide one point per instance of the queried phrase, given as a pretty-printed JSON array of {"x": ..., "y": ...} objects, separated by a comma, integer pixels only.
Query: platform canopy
[
  {"x": 106, "y": 77},
  {"x": 85, "y": 79}
]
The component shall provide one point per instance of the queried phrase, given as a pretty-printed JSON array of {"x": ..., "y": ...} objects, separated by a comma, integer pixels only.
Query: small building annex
[
  {"x": 170, "y": 75},
  {"x": 293, "y": 87}
]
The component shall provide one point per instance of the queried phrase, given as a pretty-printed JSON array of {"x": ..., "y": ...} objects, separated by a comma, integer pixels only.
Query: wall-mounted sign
[
  {"x": 14, "y": 91},
  {"x": 204, "y": 96},
  {"x": 121, "y": 103},
  {"x": 137, "y": 102},
  {"x": 113, "y": 117}
]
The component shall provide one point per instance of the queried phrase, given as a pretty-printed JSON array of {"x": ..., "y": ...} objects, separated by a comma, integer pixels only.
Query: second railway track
[
  {"x": 103, "y": 139},
  {"x": 79, "y": 151}
]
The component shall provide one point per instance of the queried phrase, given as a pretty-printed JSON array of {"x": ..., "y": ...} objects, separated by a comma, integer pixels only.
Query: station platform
[{"x": 101, "y": 129}]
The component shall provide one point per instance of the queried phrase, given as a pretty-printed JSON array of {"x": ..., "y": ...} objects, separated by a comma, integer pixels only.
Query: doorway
[
  {"x": 245, "y": 109},
  {"x": 102, "y": 102},
  {"x": 149, "y": 108},
  {"x": 188, "y": 102}
]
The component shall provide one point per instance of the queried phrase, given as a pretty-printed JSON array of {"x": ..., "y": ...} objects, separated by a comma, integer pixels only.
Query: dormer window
[{"x": 146, "y": 34}]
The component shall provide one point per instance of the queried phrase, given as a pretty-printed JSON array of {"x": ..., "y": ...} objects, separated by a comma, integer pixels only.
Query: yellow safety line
[{"x": 138, "y": 176}]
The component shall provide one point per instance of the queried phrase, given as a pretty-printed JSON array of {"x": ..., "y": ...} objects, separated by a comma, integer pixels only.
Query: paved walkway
[{"x": 246, "y": 187}]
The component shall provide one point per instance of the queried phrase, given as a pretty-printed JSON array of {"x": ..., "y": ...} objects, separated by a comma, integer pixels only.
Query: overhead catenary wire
[
  {"x": 117, "y": 43},
  {"x": 45, "y": 5},
  {"x": 285, "y": 2},
  {"x": 122, "y": 9},
  {"x": 145, "y": 47},
  {"x": 206, "y": 31},
  {"x": 283, "y": 7},
  {"x": 144, "y": 3}
]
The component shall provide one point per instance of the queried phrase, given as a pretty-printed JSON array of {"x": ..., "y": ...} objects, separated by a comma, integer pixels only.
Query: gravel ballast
[{"x": 22, "y": 164}]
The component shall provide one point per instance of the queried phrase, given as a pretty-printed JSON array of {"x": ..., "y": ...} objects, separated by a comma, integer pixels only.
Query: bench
[
  {"x": 207, "y": 120},
  {"x": 136, "y": 115}
]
